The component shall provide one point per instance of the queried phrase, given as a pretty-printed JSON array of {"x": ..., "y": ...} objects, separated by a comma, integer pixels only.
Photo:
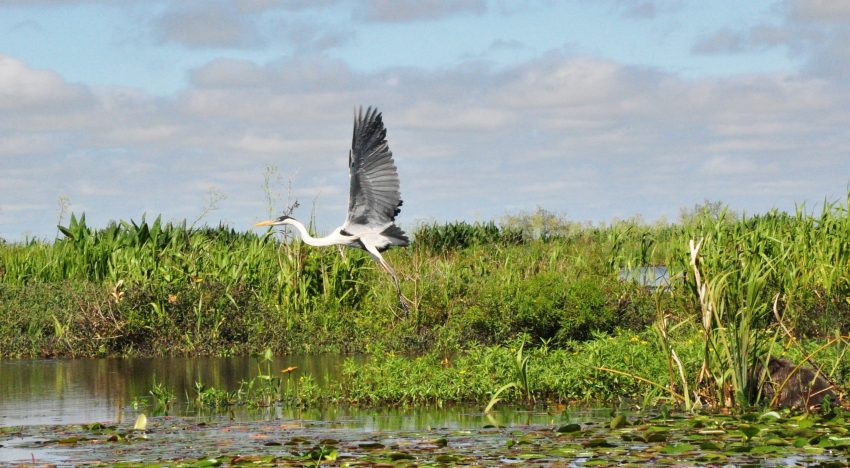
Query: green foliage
[
  {"x": 454, "y": 236},
  {"x": 162, "y": 397},
  {"x": 555, "y": 375},
  {"x": 141, "y": 288},
  {"x": 542, "y": 225},
  {"x": 519, "y": 383},
  {"x": 588, "y": 309}
]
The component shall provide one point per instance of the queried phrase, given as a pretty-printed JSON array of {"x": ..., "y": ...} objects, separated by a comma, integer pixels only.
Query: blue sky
[{"x": 596, "y": 110}]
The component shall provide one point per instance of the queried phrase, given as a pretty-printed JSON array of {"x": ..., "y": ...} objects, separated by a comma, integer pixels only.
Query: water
[
  {"x": 42, "y": 395},
  {"x": 86, "y": 390},
  {"x": 43, "y": 404},
  {"x": 82, "y": 391}
]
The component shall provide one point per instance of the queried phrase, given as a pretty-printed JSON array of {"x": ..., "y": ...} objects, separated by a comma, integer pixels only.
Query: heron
[{"x": 374, "y": 198}]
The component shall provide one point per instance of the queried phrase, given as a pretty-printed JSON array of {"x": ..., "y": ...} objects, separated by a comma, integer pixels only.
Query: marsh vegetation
[{"x": 743, "y": 290}]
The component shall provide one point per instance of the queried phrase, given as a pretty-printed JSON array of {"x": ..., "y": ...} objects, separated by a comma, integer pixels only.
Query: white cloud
[
  {"x": 815, "y": 32},
  {"x": 723, "y": 41},
  {"x": 819, "y": 10},
  {"x": 436, "y": 116},
  {"x": 23, "y": 89},
  {"x": 728, "y": 165}
]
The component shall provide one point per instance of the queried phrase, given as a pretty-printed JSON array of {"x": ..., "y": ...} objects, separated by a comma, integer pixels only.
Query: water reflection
[
  {"x": 43, "y": 392},
  {"x": 86, "y": 390}
]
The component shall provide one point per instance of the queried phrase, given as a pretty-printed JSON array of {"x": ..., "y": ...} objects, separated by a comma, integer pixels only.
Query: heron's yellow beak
[{"x": 265, "y": 223}]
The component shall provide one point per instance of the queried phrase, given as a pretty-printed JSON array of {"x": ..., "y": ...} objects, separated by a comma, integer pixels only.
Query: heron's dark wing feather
[{"x": 374, "y": 197}]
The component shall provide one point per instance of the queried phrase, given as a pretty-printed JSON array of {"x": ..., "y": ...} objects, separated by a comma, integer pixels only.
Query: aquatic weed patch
[{"x": 670, "y": 440}]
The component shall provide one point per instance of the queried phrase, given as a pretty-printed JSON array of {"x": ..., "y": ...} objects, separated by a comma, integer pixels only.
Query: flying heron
[{"x": 374, "y": 199}]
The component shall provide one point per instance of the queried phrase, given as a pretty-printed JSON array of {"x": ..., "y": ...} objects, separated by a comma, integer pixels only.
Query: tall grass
[
  {"x": 454, "y": 236},
  {"x": 740, "y": 271},
  {"x": 165, "y": 254}
]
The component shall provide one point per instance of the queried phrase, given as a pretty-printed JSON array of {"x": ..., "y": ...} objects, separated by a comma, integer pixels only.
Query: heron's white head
[{"x": 274, "y": 222}]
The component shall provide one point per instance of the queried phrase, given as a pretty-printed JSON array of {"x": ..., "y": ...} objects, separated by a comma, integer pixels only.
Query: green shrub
[
  {"x": 538, "y": 305},
  {"x": 588, "y": 308}
]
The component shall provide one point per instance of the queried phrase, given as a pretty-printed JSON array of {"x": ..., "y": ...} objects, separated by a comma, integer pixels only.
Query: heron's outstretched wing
[{"x": 374, "y": 197}]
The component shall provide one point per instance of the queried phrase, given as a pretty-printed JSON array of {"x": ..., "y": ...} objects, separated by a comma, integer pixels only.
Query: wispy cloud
[
  {"x": 24, "y": 89},
  {"x": 729, "y": 166},
  {"x": 418, "y": 10},
  {"x": 813, "y": 31},
  {"x": 215, "y": 24}
]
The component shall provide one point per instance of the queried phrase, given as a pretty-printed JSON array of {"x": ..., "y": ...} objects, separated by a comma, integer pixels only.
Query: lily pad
[
  {"x": 657, "y": 436},
  {"x": 371, "y": 445},
  {"x": 674, "y": 449},
  {"x": 749, "y": 431},
  {"x": 395, "y": 456},
  {"x": 618, "y": 422},
  {"x": 568, "y": 428},
  {"x": 599, "y": 442},
  {"x": 441, "y": 442}
]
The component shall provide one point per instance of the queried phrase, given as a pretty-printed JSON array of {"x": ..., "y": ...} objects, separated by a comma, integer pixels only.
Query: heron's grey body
[{"x": 374, "y": 197}]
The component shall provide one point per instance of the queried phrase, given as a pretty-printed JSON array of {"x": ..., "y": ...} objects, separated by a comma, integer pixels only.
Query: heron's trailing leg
[
  {"x": 405, "y": 303},
  {"x": 401, "y": 299},
  {"x": 386, "y": 266}
]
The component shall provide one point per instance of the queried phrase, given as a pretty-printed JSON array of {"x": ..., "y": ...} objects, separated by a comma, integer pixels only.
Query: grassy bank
[{"x": 152, "y": 288}]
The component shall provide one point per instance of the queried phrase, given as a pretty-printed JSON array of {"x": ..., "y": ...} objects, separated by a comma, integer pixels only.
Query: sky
[{"x": 220, "y": 111}]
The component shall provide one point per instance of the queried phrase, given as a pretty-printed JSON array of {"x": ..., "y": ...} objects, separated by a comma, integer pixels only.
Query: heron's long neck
[{"x": 306, "y": 237}]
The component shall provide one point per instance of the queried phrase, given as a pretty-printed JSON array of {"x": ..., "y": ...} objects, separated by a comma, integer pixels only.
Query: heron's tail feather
[{"x": 396, "y": 235}]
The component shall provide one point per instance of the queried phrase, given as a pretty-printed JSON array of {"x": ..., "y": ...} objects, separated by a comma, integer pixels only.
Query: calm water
[
  {"x": 43, "y": 402},
  {"x": 42, "y": 392},
  {"x": 69, "y": 392},
  {"x": 86, "y": 390}
]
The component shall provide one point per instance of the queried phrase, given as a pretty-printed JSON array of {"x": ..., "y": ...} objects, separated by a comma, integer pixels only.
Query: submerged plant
[
  {"x": 162, "y": 396},
  {"x": 213, "y": 398}
]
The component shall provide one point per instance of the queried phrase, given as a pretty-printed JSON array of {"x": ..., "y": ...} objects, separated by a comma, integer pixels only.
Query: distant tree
[
  {"x": 541, "y": 224},
  {"x": 709, "y": 208}
]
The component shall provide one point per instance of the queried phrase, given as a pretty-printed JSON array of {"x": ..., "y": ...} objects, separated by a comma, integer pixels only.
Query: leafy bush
[{"x": 587, "y": 309}]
